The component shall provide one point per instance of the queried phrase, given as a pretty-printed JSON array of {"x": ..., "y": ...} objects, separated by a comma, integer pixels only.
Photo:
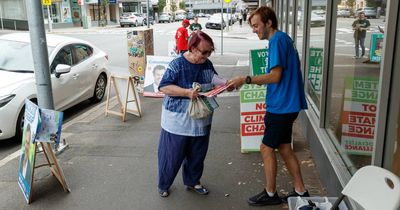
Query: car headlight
[{"x": 5, "y": 99}]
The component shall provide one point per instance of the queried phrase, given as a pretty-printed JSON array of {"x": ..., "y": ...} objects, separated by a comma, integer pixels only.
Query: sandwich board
[{"x": 127, "y": 96}]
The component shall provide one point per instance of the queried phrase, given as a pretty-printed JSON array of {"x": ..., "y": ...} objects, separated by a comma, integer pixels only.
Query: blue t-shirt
[
  {"x": 174, "y": 116},
  {"x": 288, "y": 95}
]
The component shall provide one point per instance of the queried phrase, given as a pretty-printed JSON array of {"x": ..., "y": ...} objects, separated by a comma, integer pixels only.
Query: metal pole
[
  {"x": 49, "y": 19},
  {"x": 148, "y": 14},
  {"x": 222, "y": 27},
  {"x": 40, "y": 54}
]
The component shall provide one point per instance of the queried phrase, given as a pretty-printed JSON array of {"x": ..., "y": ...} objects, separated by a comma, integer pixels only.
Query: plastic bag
[
  {"x": 198, "y": 109},
  {"x": 307, "y": 204}
]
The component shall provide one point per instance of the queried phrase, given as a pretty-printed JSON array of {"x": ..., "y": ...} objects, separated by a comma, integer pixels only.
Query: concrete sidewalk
[{"x": 112, "y": 164}]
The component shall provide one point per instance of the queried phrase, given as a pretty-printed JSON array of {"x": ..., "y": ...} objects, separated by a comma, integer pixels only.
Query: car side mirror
[{"x": 62, "y": 69}]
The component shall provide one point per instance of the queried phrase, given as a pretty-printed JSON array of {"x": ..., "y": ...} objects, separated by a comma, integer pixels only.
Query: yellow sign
[
  {"x": 46, "y": 2},
  {"x": 227, "y": 1}
]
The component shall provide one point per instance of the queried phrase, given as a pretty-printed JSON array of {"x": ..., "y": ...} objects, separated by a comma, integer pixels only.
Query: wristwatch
[{"x": 248, "y": 80}]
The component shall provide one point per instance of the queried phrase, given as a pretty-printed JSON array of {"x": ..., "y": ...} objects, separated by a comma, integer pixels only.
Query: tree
[
  {"x": 182, "y": 5},
  {"x": 373, "y": 3},
  {"x": 161, "y": 5},
  {"x": 103, "y": 19},
  {"x": 173, "y": 8}
]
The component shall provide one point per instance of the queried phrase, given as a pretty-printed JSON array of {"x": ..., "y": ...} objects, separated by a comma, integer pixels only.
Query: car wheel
[
  {"x": 122, "y": 26},
  {"x": 19, "y": 128},
  {"x": 99, "y": 88},
  {"x": 20, "y": 125}
]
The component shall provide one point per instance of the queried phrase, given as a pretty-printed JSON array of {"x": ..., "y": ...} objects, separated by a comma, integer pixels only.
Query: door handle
[
  {"x": 94, "y": 66},
  {"x": 75, "y": 76}
]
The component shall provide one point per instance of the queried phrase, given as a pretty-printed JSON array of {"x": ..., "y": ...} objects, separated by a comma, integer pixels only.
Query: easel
[
  {"x": 125, "y": 99},
  {"x": 52, "y": 163}
]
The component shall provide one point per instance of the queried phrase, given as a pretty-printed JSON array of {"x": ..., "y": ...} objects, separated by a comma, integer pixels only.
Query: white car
[
  {"x": 165, "y": 18},
  {"x": 131, "y": 19},
  {"x": 215, "y": 22},
  {"x": 78, "y": 72}
]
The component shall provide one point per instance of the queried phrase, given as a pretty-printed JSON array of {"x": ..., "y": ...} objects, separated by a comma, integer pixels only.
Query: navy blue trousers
[{"x": 174, "y": 150}]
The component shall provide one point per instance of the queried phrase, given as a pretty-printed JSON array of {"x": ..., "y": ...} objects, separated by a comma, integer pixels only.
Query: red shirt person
[{"x": 181, "y": 37}]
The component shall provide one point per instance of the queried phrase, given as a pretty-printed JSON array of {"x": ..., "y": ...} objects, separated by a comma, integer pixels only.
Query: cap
[{"x": 186, "y": 21}]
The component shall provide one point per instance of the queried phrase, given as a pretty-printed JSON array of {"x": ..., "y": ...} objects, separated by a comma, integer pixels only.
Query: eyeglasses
[{"x": 204, "y": 53}]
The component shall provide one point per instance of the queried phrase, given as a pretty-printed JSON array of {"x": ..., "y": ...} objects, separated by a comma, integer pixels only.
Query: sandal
[
  {"x": 163, "y": 193},
  {"x": 199, "y": 189}
]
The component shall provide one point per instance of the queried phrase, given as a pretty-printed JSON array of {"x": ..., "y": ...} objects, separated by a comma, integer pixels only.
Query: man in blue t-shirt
[{"x": 285, "y": 99}]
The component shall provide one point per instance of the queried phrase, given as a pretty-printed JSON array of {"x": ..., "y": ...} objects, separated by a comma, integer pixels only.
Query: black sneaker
[
  {"x": 263, "y": 199},
  {"x": 294, "y": 194}
]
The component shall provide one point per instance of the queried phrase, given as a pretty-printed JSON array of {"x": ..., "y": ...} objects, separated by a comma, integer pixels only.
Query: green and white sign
[
  {"x": 359, "y": 115},
  {"x": 315, "y": 68},
  {"x": 258, "y": 61},
  {"x": 375, "y": 54}
]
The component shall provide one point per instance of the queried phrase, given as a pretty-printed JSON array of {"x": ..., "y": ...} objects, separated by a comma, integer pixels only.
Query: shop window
[
  {"x": 314, "y": 67},
  {"x": 300, "y": 27},
  {"x": 354, "y": 87}
]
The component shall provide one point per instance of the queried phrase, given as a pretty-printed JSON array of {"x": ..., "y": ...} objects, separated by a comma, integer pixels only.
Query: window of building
[
  {"x": 316, "y": 49},
  {"x": 351, "y": 115},
  {"x": 300, "y": 27}
]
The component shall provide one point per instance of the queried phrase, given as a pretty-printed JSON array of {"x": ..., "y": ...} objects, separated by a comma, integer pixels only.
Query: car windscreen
[{"x": 17, "y": 56}]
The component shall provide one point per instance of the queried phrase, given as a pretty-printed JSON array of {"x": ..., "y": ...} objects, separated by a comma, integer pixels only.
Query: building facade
[{"x": 354, "y": 107}]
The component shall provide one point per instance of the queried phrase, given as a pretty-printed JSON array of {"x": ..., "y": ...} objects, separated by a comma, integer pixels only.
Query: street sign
[
  {"x": 227, "y": 1},
  {"x": 46, "y": 2}
]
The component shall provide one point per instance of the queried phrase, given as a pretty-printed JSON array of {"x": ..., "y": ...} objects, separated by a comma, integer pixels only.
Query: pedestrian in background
[
  {"x": 195, "y": 25},
  {"x": 240, "y": 19},
  {"x": 285, "y": 98},
  {"x": 184, "y": 140},
  {"x": 181, "y": 37},
  {"x": 360, "y": 27}
]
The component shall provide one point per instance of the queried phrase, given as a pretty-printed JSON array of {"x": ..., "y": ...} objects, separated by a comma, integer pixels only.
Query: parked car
[
  {"x": 180, "y": 17},
  {"x": 317, "y": 20},
  {"x": 343, "y": 13},
  {"x": 369, "y": 12},
  {"x": 131, "y": 19},
  {"x": 215, "y": 22},
  {"x": 165, "y": 17},
  {"x": 78, "y": 72},
  {"x": 190, "y": 15},
  {"x": 151, "y": 19}
]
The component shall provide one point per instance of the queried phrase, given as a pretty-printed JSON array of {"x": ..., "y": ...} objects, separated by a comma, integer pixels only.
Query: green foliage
[
  {"x": 182, "y": 5},
  {"x": 103, "y": 19},
  {"x": 173, "y": 6},
  {"x": 350, "y": 3},
  {"x": 161, "y": 5},
  {"x": 373, "y": 3}
]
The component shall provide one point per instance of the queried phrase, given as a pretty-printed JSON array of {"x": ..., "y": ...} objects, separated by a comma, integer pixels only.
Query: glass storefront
[
  {"x": 315, "y": 53},
  {"x": 300, "y": 27},
  {"x": 354, "y": 90}
]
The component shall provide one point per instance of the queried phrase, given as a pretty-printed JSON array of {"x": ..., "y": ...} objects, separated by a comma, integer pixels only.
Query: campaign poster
[
  {"x": 252, "y": 111},
  {"x": 27, "y": 159},
  {"x": 155, "y": 69},
  {"x": 376, "y": 48},
  {"x": 315, "y": 69},
  {"x": 66, "y": 12},
  {"x": 50, "y": 129},
  {"x": 172, "y": 49},
  {"x": 258, "y": 61},
  {"x": 359, "y": 115}
]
